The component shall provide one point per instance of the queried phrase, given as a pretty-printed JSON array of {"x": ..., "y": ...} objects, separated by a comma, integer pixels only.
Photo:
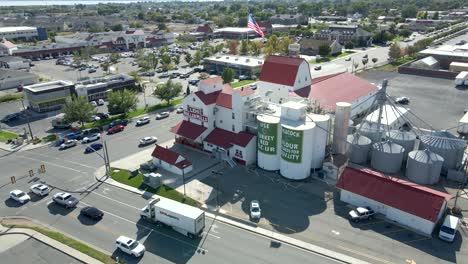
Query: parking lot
[{"x": 436, "y": 101}]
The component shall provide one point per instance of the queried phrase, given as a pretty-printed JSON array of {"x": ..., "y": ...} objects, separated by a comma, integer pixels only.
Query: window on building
[
  {"x": 233, "y": 116},
  {"x": 233, "y": 128}
]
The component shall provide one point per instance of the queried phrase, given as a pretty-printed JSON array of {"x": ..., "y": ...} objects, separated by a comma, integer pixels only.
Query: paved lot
[
  {"x": 33, "y": 251},
  {"x": 436, "y": 101},
  {"x": 456, "y": 39}
]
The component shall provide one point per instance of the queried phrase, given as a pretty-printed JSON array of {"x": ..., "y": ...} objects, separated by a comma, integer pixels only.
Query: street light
[
  {"x": 217, "y": 187},
  {"x": 183, "y": 176},
  {"x": 27, "y": 119},
  {"x": 144, "y": 92}
]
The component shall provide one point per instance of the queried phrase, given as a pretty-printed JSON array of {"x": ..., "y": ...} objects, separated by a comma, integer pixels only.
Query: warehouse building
[
  {"x": 23, "y": 33},
  {"x": 409, "y": 204},
  {"x": 48, "y": 96},
  {"x": 14, "y": 63},
  {"x": 241, "y": 65},
  {"x": 97, "y": 88},
  {"x": 447, "y": 54}
]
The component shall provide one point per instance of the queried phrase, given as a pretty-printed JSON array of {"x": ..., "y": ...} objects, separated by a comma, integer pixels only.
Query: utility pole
[
  {"x": 27, "y": 120},
  {"x": 106, "y": 159},
  {"x": 218, "y": 174},
  {"x": 381, "y": 99}
]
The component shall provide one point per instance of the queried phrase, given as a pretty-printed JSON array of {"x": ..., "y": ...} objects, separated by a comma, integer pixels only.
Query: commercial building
[
  {"x": 447, "y": 54},
  {"x": 22, "y": 33},
  {"x": 311, "y": 47},
  {"x": 286, "y": 19},
  {"x": 240, "y": 64},
  {"x": 407, "y": 203},
  {"x": 14, "y": 63},
  {"x": 10, "y": 79},
  {"x": 235, "y": 33},
  {"x": 202, "y": 32},
  {"x": 171, "y": 161},
  {"x": 48, "y": 96},
  {"x": 97, "y": 88},
  {"x": 47, "y": 50},
  {"x": 344, "y": 34},
  {"x": 7, "y": 48}
]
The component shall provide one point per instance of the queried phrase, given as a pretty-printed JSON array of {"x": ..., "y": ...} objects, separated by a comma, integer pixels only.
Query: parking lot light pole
[{"x": 27, "y": 120}]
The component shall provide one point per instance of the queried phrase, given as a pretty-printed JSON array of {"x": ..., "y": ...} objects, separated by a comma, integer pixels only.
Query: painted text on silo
[
  {"x": 267, "y": 138},
  {"x": 291, "y": 145}
]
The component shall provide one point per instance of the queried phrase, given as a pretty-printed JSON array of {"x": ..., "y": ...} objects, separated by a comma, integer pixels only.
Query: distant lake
[{"x": 64, "y": 2}]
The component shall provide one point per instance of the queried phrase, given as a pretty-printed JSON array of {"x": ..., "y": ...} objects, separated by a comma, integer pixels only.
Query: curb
[
  {"x": 38, "y": 236},
  {"x": 253, "y": 228}
]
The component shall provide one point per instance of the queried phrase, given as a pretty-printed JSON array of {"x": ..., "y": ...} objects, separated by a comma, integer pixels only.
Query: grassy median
[
  {"x": 6, "y": 135},
  {"x": 242, "y": 83},
  {"x": 11, "y": 97},
  {"x": 83, "y": 248},
  {"x": 124, "y": 176}
]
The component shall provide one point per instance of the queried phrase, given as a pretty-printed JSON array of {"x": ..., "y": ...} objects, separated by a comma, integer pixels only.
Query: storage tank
[
  {"x": 321, "y": 139},
  {"x": 370, "y": 130},
  {"x": 340, "y": 131},
  {"x": 387, "y": 156},
  {"x": 358, "y": 148},
  {"x": 268, "y": 140},
  {"x": 297, "y": 138},
  {"x": 424, "y": 166},
  {"x": 405, "y": 139},
  {"x": 447, "y": 146}
]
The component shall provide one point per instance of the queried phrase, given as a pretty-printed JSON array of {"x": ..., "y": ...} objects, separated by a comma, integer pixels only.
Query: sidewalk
[
  {"x": 22, "y": 147},
  {"x": 50, "y": 242}
]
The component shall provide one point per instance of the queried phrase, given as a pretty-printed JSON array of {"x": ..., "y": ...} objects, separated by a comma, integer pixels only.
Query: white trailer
[
  {"x": 463, "y": 125},
  {"x": 462, "y": 78},
  {"x": 185, "y": 219}
]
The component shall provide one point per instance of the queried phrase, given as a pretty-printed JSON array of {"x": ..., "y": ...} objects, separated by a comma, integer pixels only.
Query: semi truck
[
  {"x": 463, "y": 125},
  {"x": 185, "y": 219},
  {"x": 462, "y": 78}
]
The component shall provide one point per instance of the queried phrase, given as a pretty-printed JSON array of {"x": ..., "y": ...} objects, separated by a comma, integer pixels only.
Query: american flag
[{"x": 251, "y": 23}]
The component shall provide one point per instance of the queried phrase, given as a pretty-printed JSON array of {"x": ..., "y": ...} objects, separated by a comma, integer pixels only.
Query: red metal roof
[
  {"x": 170, "y": 157},
  {"x": 208, "y": 99},
  {"x": 341, "y": 87},
  {"x": 224, "y": 100},
  {"x": 280, "y": 69},
  {"x": 400, "y": 194},
  {"x": 212, "y": 80},
  {"x": 205, "y": 29},
  {"x": 188, "y": 130},
  {"x": 226, "y": 139}
]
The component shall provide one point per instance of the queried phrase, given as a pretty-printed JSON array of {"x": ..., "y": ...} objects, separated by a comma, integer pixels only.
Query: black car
[
  {"x": 93, "y": 147},
  {"x": 117, "y": 122},
  {"x": 184, "y": 76},
  {"x": 92, "y": 212},
  {"x": 164, "y": 75},
  {"x": 197, "y": 70},
  {"x": 102, "y": 115},
  {"x": 318, "y": 68},
  {"x": 174, "y": 75},
  {"x": 10, "y": 117},
  {"x": 194, "y": 81}
]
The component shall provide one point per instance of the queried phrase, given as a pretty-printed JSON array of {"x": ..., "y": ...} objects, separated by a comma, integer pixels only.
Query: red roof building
[
  {"x": 170, "y": 160},
  {"x": 410, "y": 204},
  {"x": 281, "y": 69},
  {"x": 188, "y": 130}
]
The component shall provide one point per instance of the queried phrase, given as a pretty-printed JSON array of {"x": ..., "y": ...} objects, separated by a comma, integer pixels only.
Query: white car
[
  {"x": 148, "y": 140},
  {"x": 100, "y": 102},
  {"x": 95, "y": 118},
  {"x": 130, "y": 246},
  {"x": 143, "y": 121},
  {"x": 68, "y": 144},
  {"x": 255, "y": 211},
  {"x": 162, "y": 115},
  {"x": 91, "y": 138},
  {"x": 19, "y": 196},
  {"x": 180, "y": 110},
  {"x": 40, "y": 189},
  {"x": 65, "y": 199},
  {"x": 93, "y": 103}
]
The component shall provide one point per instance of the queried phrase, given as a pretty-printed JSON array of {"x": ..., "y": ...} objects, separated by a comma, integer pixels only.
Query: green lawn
[
  {"x": 398, "y": 38},
  {"x": 132, "y": 114},
  {"x": 83, "y": 248},
  {"x": 242, "y": 83},
  {"x": 6, "y": 135},
  {"x": 49, "y": 138},
  {"x": 11, "y": 97},
  {"x": 123, "y": 176},
  {"x": 394, "y": 65}
]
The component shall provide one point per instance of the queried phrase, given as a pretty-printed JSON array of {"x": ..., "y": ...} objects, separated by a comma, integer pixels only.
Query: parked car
[
  {"x": 243, "y": 77},
  {"x": 365, "y": 56},
  {"x": 91, "y": 138},
  {"x": 318, "y": 68},
  {"x": 91, "y": 70},
  {"x": 115, "y": 129},
  {"x": 93, "y": 147},
  {"x": 361, "y": 213},
  {"x": 130, "y": 246},
  {"x": 402, "y": 100},
  {"x": 184, "y": 76},
  {"x": 72, "y": 135},
  {"x": 40, "y": 189},
  {"x": 117, "y": 122},
  {"x": 147, "y": 140},
  {"x": 197, "y": 70},
  {"x": 174, "y": 75},
  {"x": 348, "y": 59},
  {"x": 148, "y": 167},
  {"x": 10, "y": 117},
  {"x": 68, "y": 144},
  {"x": 180, "y": 110},
  {"x": 162, "y": 115},
  {"x": 255, "y": 211},
  {"x": 461, "y": 42},
  {"x": 253, "y": 86},
  {"x": 91, "y": 131},
  {"x": 194, "y": 81},
  {"x": 164, "y": 75},
  {"x": 19, "y": 196},
  {"x": 100, "y": 102},
  {"x": 92, "y": 212},
  {"x": 102, "y": 115},
  {"x": 65, "y": 199},
  {"x": 143, "y": 121},
  {"x": 93, "y": 103}
]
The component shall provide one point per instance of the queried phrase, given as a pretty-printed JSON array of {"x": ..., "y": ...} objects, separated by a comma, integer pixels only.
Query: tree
[
  {"x": 168, "y": 91},
  {"x": 256, "y": 47},
  {"x": 166, "y": 61},
  {"x": 233, "y": 47},
  {"x": 117, "y": 27},
  {"x": 409, "y": 11},
  {"x": 176, "y": 60},
  {"x": 349, "y": 45},
  {"x": 228, "y": 75},
  {"x": 324, "y": 50},
  {"x": 365, "y": 61},
  {"x": 78, "y": 109},
  {"x": 374, "y": 60},
  {"x": 197, "y": 57},
  {"x": 436, "y": 16},
  {"x": 188, "y": 58},
  {"x": 187, "y": 92},
  {"x": 405, "y": 32},
  {"x": 394, "y": 52},
  {"x": 162, "y": 26},
  {"x": 105, "y": 66},
  {"x": 122, "y": 101},
  {"x": 244, "y": 48},
  {"x": 114, "y": 58}
]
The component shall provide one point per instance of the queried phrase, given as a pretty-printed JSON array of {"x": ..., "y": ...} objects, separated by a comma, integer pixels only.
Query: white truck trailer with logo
[
  {"x": 462, "y": 78},
  {"x": 185, "y": 219}
]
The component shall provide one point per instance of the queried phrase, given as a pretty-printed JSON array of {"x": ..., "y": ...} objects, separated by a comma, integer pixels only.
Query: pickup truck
[{"x": 361, "y": 213}]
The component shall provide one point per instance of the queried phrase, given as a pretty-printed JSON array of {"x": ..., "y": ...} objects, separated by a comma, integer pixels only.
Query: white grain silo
[
  {"x": 447, "y": 146},
  {"x": 268, "y": 142},
  {"x": 406, "y": 139},
  {"x": 424, "y": 166},
  {"x": 297, "y": 138},
  {"x": 358, "y": 148},
  {"x": 387, "y": 156},
  {"x": 370, "y": 130},
  {"x": 340, "y": 131},
  {"x": 321, "y": 139}
]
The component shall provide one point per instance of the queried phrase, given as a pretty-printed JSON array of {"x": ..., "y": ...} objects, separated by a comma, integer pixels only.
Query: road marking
[
  {"x": 74, "y": 162},
  {"x": 394, "y": 231},
  {"x": 117, "y": 201},
  {"x": 416, "y": 240},
  {"x": 208, "y": 234},
  {"x": 365, "y": 255},
  {"x": 117, "y": 216},
  {"x": 53, "y": 164},
  {"x": 335, "y": 232}
]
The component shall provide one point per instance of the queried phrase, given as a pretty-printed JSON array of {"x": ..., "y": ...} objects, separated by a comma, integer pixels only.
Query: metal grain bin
[
  {"x": 424, "y": 166},
  {"x": 370, "y": 130},
  {"x": 358, "y": 148},
  {"x": 447, "y": 146},
  {"x": 405, "y": 139},
  {"x": 387, "y": 156}
]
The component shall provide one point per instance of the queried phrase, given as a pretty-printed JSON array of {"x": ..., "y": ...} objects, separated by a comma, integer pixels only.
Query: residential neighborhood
[{"x": 234, "y": 131}]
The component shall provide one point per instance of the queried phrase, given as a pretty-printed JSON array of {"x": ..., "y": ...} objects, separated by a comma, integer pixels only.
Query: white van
[{"x": 448, "y": 230}]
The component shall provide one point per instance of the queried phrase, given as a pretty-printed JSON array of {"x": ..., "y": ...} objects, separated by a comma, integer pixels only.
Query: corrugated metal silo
[
  {"x": 424, "y": 166},
  {"x": 358, "y": 148},
  {"x": 370, "y": 130},
  {"x": 387, "y": 156},
  {"x": 446, "y": 145},
  {"x": 405, "y": 139}
]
